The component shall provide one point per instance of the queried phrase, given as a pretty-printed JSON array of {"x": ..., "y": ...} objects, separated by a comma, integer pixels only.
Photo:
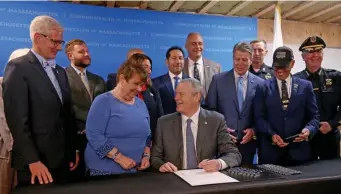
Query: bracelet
[
  {"x": 146, "y": 155},
  {"x": 116, "y": 154}
]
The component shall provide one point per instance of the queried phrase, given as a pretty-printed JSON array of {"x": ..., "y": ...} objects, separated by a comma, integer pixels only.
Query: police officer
[
  {"x": 258, "y": 67},
  {"x": 327, "y": 89}
]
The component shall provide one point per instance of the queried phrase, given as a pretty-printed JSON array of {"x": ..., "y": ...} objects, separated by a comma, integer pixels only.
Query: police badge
[
  {"x": 329, "y": 82},
  {"x": 268, "y": 76}
]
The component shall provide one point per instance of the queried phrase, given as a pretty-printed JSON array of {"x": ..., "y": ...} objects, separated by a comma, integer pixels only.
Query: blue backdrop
[{"x": 111, "y": 32}]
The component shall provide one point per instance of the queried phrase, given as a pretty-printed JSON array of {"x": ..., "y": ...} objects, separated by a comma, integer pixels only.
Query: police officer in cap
[
  {"x": 258, "y": 67},
  {"x": 327, "y": 89}
]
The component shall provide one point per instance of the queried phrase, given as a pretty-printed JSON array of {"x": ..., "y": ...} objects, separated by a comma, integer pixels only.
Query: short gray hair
[
  {"x": 44, "y": 24},
  {"x": 195, "y": 84},
  {"x": 18, "y": 53},
  {"x": 243, "y": 47}
]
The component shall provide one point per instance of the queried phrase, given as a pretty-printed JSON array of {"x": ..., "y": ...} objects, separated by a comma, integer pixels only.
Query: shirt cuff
[{"x": 223, "y": 164}]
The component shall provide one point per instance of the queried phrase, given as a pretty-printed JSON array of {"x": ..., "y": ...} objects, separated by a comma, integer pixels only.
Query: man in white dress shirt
[
  {"x": 196, "y": 66},
  {"x": 193, "y": 137}
]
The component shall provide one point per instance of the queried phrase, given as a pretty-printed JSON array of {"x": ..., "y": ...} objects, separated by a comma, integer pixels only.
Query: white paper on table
[{"x": 198, "y": 177}]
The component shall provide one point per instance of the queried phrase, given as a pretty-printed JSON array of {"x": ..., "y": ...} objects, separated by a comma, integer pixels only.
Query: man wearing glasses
[
  {"x": 38, "y": 109},
  {"x": 327, "y": 89}
]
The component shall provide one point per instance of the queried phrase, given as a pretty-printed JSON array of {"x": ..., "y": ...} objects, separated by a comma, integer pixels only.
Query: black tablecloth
[{"x": 318, "y": 177}]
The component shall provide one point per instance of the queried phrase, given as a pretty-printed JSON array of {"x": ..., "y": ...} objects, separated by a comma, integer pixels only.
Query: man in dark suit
[
  {"x": 111, "y": 79},
  {"x": 258, "y": 67},
  {"x": 231, "y": 94},
  {"x": 167, "y": 83},
  {"x": 285, "y": 107},
  {"x": 38, "y": 108},
  {"x": 193, "y": 137},
  {"x": 196, "y": 66},
  {"x": 85, "y": 86},
  {"x": 327, "y": 89}
]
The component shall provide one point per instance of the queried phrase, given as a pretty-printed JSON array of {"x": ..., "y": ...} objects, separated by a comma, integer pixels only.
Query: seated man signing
[{"x": 192, "y": 137}]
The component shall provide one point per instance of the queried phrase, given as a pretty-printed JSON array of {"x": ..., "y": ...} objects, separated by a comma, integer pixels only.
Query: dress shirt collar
[
  {"x": 236, "y": 75},
  {"x": 195, "y": 117},
  {"x": 172, "y": 75},
  {"x": 43, "y": 61},
  {"x": 288, "y": 80},
  {"x": 77, "y": 70},
  {"x": 200, "y": 61}
]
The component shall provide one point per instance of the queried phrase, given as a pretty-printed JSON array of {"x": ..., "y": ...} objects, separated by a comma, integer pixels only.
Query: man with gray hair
[
  {"x": 37, "y": 104},
  {"x": 231, "y": 94},
  {"x": 192, "y": 137}
]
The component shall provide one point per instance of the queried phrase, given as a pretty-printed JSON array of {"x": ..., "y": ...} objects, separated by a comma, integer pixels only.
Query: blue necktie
[
  {"x": 240, "y": 89},
  {"x": 190, "y": 145},
  {"x": 176, "y": 83},
  {"x": 48, "y": 65}
]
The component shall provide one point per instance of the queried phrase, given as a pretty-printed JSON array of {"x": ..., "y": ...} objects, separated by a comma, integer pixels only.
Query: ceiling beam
[
  {"x": 324, "y": 11},
  {"x": 266, "y": 9},
  {"x": 175, "y": 6},
  {"x": 144, "y": 4},
  {"x": 333, "y": 19},
  {"x": 298, "y": 8},
  {"x": 207, "y": 6},
  {"x": 239, "y": 7},
  {"x": 110, "y": 3}
]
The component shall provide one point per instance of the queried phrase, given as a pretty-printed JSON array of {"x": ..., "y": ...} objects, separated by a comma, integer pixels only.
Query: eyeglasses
[{"x": 55, "y": 42}]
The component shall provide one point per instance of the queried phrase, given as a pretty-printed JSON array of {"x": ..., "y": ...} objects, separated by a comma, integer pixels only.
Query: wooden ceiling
[{"x": 304, "y": 11}]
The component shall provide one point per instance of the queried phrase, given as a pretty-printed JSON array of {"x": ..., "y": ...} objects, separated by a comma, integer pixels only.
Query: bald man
[
  {"x": 111, "y": 79},
  {"x": 196, "y": 66}
]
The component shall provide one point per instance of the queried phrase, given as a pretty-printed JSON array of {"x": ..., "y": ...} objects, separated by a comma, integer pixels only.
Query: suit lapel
[
  {"x": 91, "y": 82},
  {"x": 207, "y": 73},
  {"x": 231, "y": 79},
  {"x": 275, "y": 91},
  {"x": 39, "y": 68},
  {"x": 168, "y": 83},
  {"x": 185, "y": 69},
  {"x": 249, "y": 89},
  {"x": 202, "y": 130},
  {"x": 294, "y": 88},
  {"x": 177, "y": 130},
  {"x": 78, "y": 82}
]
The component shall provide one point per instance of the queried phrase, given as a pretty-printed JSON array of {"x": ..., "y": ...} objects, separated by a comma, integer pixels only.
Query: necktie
[
  {"x": 86, "y": 84},
  {"x": 48, "y": 65},
  {"x": 190, "y": 145},
  {"x": 196, "y": 72},
  {"x": 240, "y": 93},
  {"x": 176, "y": 83},
  {"x": 285, "y": 95}
]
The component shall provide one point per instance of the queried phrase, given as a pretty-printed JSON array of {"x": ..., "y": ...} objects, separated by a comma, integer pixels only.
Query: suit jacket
[
  {"x": 6, "y": 140},
  {"x": 271, "y": 118},
  {"x": 111, "y": 81},
  {"x": 80, "y": 96},
  {"x": 210, "y": 68},
  {"x": 213, "y": 141},
  {"x": 152, "y": 99},
  {"x": 164, "y": 84},
  {"x": 42, "y": 126},
  {"x": 81, "y": 99},
  {"x": 222, "y": 97}
]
